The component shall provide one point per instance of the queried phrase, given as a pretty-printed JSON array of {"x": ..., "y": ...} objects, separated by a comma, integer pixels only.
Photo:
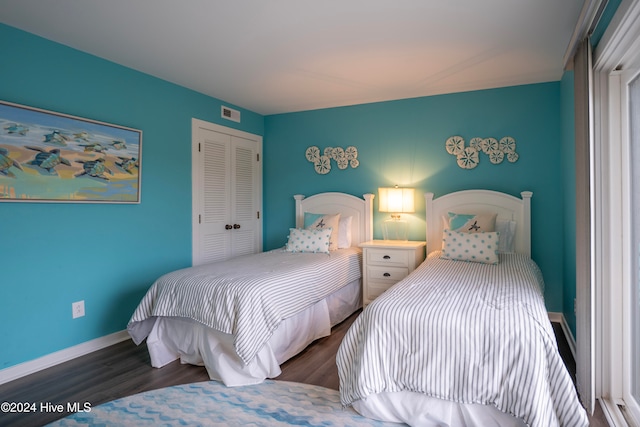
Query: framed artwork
[{"x": 53, "y": 157}]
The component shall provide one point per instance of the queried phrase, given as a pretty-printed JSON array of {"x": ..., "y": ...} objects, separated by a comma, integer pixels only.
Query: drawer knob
[
  {"x": 386, "y": 257},
  {"x": 386, "y": 275}
]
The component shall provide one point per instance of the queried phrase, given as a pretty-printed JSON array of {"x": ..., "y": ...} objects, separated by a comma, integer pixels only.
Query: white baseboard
[
  {"x": 559, "y": 318},
  {"x": 44, "y": 362}
]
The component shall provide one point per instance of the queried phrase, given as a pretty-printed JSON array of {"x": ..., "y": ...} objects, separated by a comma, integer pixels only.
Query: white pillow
[
  {"x": 470, "y": 223},
  {"x": 507, "y": 230},
  {"x": 302, "y": 240},
  {"x": 474, "y": 247},
  {"x": 344, "y": 232},
  {"x": 315, "y": 221}
]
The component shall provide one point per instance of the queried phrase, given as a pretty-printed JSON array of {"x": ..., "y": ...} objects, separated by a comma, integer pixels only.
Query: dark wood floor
[{"x": 124, "y": 369}]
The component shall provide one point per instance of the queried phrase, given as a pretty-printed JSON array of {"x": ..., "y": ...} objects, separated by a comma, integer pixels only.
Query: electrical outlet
[{"x": 77, "y": 309}]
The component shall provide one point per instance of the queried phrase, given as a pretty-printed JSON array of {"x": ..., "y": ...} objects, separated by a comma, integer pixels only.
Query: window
[
  {"x": 616, "y": 216},
  {"x": 632, "y": 307}
]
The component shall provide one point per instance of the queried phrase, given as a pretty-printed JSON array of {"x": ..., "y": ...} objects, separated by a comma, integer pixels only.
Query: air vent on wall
[{"x": 230, "y": 114}]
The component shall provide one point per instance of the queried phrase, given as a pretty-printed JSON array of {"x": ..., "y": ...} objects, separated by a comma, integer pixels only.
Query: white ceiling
[{"x": 276, "y": 56}]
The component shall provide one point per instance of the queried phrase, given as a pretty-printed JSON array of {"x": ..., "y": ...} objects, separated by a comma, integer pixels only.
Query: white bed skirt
[
  {"x": 416, "y": 409},
  {"x": 174, "y": 338}
]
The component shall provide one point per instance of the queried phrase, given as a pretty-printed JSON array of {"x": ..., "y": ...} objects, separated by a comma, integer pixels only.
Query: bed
[
  {"x": 465, "y": 339},
  {"x": 244, "y": 317}
]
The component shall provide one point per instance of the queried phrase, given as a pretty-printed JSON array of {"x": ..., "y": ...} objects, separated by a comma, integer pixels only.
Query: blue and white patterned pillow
[
  {"x": 303, "y": 240},
  {"x": 474, "y": 247},
  {"x": 314, "y": 221}
]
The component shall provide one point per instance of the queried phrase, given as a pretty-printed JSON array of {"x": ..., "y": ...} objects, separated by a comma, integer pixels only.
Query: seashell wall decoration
[
  {"x": 344, "y": 157},
  {"x": 468, "y": 157}
]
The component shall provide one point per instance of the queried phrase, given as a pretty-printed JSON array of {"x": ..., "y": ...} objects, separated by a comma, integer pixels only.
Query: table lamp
[{"x": 396, "y": 201}]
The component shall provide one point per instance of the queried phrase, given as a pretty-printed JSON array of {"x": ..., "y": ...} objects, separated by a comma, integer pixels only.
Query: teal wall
[
  {"x": 569, "y": 200},
  {"x": 105, "y": 254},
  {"x": 403, "y": 142}
]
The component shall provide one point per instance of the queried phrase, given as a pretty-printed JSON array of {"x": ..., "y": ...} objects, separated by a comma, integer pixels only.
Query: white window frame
[
  {"x": 617, "y": 52},
  {"x": 628, "y": 251}
]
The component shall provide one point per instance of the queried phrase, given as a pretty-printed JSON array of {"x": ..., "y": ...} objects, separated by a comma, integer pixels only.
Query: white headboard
[
  {"x": 344, "y": 204},
  {"x": 480, "y": 201}
]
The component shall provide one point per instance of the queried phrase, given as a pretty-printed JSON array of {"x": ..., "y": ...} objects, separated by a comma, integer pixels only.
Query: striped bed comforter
[
  {"x": 248, "y": 296},
  {"x": 464, "y": 332}
]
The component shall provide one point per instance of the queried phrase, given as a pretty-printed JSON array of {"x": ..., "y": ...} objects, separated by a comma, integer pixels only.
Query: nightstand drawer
[
  {"x": 375, "y": 289},
  {"x": 387, "y": 274},
  {"x": 397, "y": 258}
]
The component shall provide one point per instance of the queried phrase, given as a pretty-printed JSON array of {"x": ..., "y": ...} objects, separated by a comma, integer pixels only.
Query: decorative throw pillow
[
  {"x": 507, "y": 230},
  {"x": 474, "y": 247},
  {"x": 313, "y": 221},
  {"x": 302, "y": 240},
  {"x": 344, "y": 232},
  {"x": 470, "y": 223}
]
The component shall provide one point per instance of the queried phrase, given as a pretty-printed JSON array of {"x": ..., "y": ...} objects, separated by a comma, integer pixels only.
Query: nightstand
[{"x": 386, "y": 262}]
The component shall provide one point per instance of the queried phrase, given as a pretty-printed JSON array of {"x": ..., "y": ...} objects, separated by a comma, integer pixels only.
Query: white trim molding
[
  {"x": 566, "y": 330},
  {"x": 58, "y": 357},
  {"x": 620, "y": 42},
  {"x": 589, "y": 16}
]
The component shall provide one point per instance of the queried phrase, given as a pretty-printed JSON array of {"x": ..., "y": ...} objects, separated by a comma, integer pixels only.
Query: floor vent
[{"x": 230, "y": 114}]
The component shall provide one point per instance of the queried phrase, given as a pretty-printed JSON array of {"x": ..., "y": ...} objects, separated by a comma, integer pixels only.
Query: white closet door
[
  {"x": 244, "y": 211},
  {"x": 214, "y": 239},
  {"x": 227, "y": 193}
]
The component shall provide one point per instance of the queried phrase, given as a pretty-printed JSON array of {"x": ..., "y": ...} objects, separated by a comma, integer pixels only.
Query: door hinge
[
  {"x": 258, "y": 214},
  {"x": 257, "y": 157},
  {"x": 199, "y": 148},
  {"x": 199, "y": 219}
]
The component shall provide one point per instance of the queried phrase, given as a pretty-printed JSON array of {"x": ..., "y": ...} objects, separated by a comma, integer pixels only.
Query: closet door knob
[
  {"x": 228, "y": 227},
  {"x": 236, "y": 226}
]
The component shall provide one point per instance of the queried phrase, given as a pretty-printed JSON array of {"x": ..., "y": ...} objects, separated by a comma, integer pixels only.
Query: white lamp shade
[{"x": 396, "y": 200}]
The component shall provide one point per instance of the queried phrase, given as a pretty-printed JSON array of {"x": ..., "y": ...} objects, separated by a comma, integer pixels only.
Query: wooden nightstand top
[{"x": 402, "y": 244}]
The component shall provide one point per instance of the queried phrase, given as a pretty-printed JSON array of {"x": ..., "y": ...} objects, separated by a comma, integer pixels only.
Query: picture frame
[{"x": 47, "y": 156}]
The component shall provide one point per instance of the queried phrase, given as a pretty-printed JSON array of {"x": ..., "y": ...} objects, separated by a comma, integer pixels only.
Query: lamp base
[{"x": 395, "y": 229}]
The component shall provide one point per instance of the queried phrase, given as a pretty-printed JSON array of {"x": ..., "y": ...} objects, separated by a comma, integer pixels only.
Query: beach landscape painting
[{"x": 52, "y": 157}]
